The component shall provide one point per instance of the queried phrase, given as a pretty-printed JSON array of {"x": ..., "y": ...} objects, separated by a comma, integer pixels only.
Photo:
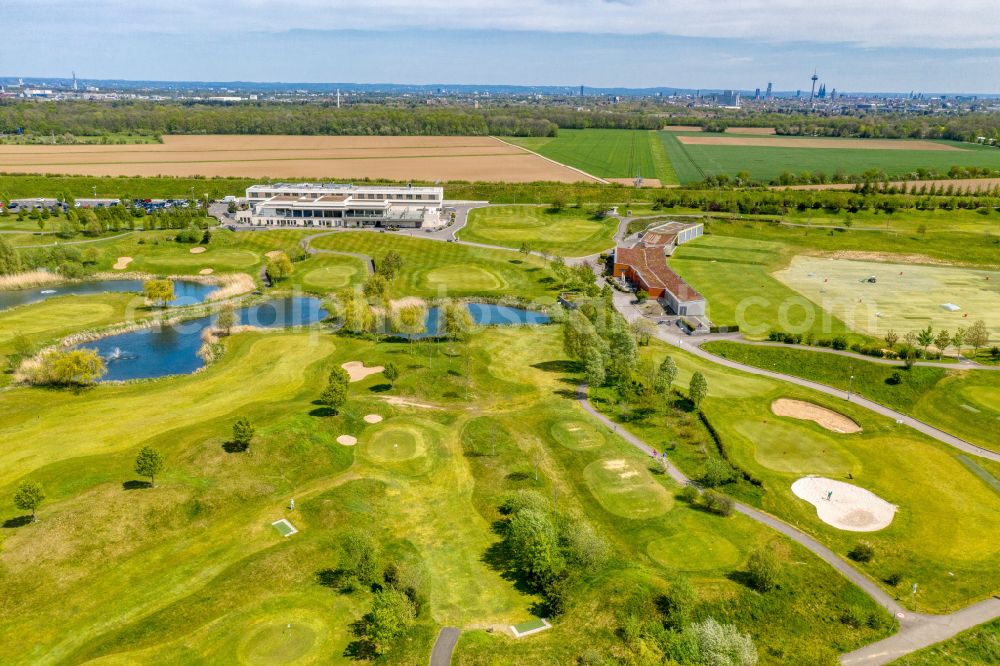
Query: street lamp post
[{"x": 850, "y": 386}]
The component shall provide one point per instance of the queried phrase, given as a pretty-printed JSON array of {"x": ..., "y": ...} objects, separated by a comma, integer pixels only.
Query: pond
[
  {"x": 173, "y": 350},
  {"x": 186, "y": 292},
  {"x": 486, "y": 314}
]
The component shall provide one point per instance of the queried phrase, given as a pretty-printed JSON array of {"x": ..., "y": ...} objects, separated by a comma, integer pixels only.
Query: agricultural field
[
  {"x": 608, "y": 153},
  {"x": 961, "y": 402},
  {"x": 569, "y": 232},
  {"x": 323, "y": 157},
  {"x": 696, "y": 155},
  {"x": 435, "y": 269}
]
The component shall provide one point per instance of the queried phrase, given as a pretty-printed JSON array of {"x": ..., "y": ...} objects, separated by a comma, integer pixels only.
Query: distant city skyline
[{"x": 855, "y": 46}]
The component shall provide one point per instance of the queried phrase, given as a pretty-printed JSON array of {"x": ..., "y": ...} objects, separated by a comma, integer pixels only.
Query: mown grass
[
  {"x": 963, "y": 403},
  {"x": 767, "y": 163},
  {"x": 323, "y": 274},
  {"x": 937, "y": 537},
  {"x": 569, "y": 233},
  {"x": 436, "y": 269}
]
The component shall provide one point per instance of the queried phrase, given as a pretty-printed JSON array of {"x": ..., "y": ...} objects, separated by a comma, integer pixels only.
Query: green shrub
[{"x": 862, "y": 552}]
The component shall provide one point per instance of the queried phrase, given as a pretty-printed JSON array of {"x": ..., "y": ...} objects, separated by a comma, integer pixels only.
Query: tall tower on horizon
[
  {"x": 74, "y": 81},
  {"x": 769, "y": 94},
  {"x": 814, "y": 78}
]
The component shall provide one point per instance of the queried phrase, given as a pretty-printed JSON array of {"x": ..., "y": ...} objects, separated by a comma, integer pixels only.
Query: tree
[
  {"x": 361, "y": 557},
  {"x": 643, "y": 330},
  {"x": 72, "y": 367},
  {"x": 390, "y": 372},
  {"x": 666, "y": 374},
  {"x": 10, "y": 260},
  {"x": 721, "y": 644},
  {"x": 149, "y": 462},
  {"x": 958, "y": 339},
  {"x": 942, "y": 340},
  {"x": 335, "y": 394},
  {"x": 411, "y": 320},
  {"x": 534, "y": 545},
  {"x": 160, "y": 292},
  {"x": 678, "y": 603},
  {"x": 390, "y": 265},
  {"x": 227, "y": 318},
  {"x": 279, "y": 267},
  {"x": 357, "y": 313},
  {"x": 926, "y": 337},
  {"x": 376, "y": 287},
  {"x": 977, "y": 337},
  {"x": 456, "y": 321},
  {"x": 28, "y": 497},
  {"x": 623, "y": 353},
  {"x": 764, "y": 569},
  {"x": 243, "y": 432},
  {"x": 698, "y": 389},
  {"x": 391, "y": 615},
  {"x": 594, "y": 365}
]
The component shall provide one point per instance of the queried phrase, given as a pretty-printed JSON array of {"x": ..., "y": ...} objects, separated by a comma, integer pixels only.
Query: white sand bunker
[
  {"x": 197, "y": 250},
  {"x": 206, "y": 271},
  {"x": 357, "y": 371},
  {"x": 272, "y": 254},
  {"x": 122, "y": 263},
  {"x": 844, "y": 506},
  {"x": 347, "y": 440},
  {"x": 372, "y": 418},
  {"x": 807, "y": 411}
]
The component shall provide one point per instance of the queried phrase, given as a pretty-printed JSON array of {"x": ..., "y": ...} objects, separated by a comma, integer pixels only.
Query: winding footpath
[{"x": 916, "y": 630}]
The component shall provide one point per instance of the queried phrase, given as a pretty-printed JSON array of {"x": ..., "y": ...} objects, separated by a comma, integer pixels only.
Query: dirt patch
[
  {"x": 324, "y": 157},
  {"x": 273, "y": 253},
  {"x": 122, "y": 263},
  {"x": 845, "y": 506},
  {"x": 373, "y": 418},
  {"x": 886, "y": 257},
  {"x": 614, "y": 464},
  {"x": 646, "y": 182},
  {"x": 396, "y": 401},
  {"x": 807, "y": 411},
  {"x": 206, "y": 271},
  {"x": 357, "y": 371},
  {"x": 756, "y": 131},
  {"x": 197, "y": 250},
  {"x": 347, "y": 440},
  {"x": 682, "y": 128},
  {"x": 795, "y": 142}
]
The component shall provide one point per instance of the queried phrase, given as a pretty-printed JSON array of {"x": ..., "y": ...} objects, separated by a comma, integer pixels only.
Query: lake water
[
  {"x": 173, "y": 350},
  {"x": 486, "y": 314},
  {"x": 186, "y": 292}
]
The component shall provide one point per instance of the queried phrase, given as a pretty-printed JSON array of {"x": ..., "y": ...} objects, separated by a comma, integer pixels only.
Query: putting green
[
  {"x": 397, "y": 442},
  {"x": 785, "y": 447},
  {"x": 329, "y": 277},
  {"x": 692, "y": 550},
  {"x": 577, "y": 435},
  {"x": 465, "y": 276},
  {"x": 986, "y": 398},
  {"x": 625, "y": 488},
  {"x": 278, "y": 643}
]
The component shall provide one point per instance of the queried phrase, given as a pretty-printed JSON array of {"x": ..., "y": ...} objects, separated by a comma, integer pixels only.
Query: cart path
[
  {"x": 916, "y": 630},
  {"x": 444, "y": 646}
]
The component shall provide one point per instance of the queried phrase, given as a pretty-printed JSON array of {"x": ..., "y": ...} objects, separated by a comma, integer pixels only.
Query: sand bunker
[
  {"x": 206, "y": 271},
  {"x": 357, "y": 370},
  {"x": 372, "y": 418},
  {"x": 122, "y": 263},
  {"x": 272, "y": 254},
  {"x": 347, "y": 440},
  {"x": 844, "y": 506},
  {"x": 197, "y": 250},
  {"x": 396, "y": 401},
  {"x": 807, "y": 411}
]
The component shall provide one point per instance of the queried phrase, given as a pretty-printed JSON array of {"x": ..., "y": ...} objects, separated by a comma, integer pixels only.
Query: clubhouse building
[
  {"x": 644, "y": 264},
  {"x": 342, "y": 205}
]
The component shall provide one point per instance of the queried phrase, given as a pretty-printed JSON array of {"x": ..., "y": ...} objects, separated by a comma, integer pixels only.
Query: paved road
[
  {"x": 444, "y": 645},
  {"x": 916, "y": 630},
  {"x": 623, "y": 302}
]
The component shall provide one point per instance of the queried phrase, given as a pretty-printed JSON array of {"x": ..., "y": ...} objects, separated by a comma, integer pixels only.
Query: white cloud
[{"x": 871, "y": 23}]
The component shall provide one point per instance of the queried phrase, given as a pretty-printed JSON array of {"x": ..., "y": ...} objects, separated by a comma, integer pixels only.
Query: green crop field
[
  {"x": 570, "y": 233},
  {"x": 607, "y": 153},
  {"x": 693, "y": 162}
]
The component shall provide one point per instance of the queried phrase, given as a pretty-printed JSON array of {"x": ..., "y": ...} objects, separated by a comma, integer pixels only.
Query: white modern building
[{"x": 342, "y": 205}]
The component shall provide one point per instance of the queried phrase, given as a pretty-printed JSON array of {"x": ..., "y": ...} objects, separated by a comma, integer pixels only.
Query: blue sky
[{"x": 856, "y": 45}]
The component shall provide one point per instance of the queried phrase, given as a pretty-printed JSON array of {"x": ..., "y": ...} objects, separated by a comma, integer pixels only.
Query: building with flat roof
[
  {"x": 644, "y": 264},
  {"x": 342, "y": 205}
]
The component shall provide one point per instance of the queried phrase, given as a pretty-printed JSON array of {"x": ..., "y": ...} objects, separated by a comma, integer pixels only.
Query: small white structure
[
  {"x": 845, "y": 506},
  {"x": 342, "y": 205},
  {"x": 950, "y": 307}
]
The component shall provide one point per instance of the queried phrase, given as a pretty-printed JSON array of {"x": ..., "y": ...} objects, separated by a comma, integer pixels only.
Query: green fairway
[
  {"x": 323, "y": 274},
  {"x": 435, "y": 269},
  {"x": 569, "y": 233},
  {"x": 577, "y": 434},
  {"x": 764, "y": 163},
  {"x": 963, "y": 403},
  {"x": 608, "y": 153},
  {"x": 625, "y": 488}
]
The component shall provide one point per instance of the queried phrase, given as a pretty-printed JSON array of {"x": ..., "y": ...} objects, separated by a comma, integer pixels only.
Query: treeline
[{"x": 80, "y": 118}]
